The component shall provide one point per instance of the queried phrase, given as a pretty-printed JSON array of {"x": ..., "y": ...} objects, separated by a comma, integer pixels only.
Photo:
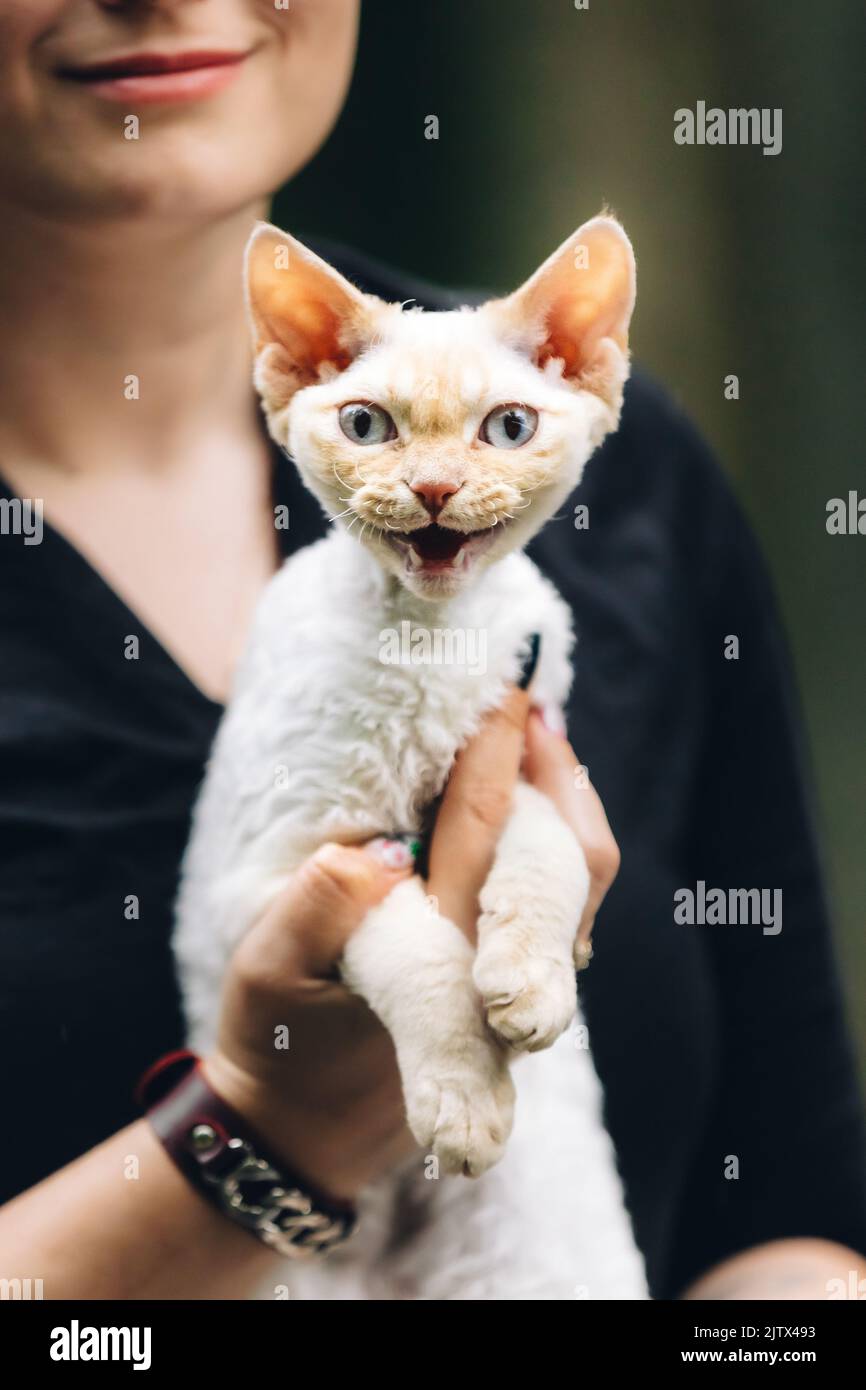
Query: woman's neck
[{"x": 122, "y": 345}]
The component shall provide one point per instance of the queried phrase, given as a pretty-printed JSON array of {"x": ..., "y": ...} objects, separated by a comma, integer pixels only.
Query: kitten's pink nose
[{"x": 435, "y": 495}]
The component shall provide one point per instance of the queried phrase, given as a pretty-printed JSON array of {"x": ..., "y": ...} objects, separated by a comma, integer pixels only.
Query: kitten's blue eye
[
  {"x": 365, "y": 423},
  {"x": 509, "y": 426}
]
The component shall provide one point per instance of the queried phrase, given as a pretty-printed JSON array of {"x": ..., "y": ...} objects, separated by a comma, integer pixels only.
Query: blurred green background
[{"x": 747, "y": 264}]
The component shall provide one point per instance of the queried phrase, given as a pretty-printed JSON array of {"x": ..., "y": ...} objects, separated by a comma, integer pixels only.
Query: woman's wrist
[
  {"x": 794, "y": 1269},
  {"x": 225, "y": 1157},
  {"x": 311, "y": 1155}
]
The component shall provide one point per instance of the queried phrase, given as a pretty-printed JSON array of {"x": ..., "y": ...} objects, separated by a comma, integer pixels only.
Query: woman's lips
[{"x": 154, "y": 77}]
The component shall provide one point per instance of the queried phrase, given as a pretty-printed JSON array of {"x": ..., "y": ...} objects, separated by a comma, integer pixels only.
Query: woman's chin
[
  {"x": 106, "y": 166},
  {"x": 102, "y": 194}
]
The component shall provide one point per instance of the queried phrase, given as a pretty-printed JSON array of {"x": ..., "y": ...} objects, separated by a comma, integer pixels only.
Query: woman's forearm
[
  {"x": 786, "y": 1269},
  {"x": 123, "y": 1222}
]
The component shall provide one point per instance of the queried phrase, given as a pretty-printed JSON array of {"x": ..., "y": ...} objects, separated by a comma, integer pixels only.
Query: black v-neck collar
[{"x": 87, "y": 587}]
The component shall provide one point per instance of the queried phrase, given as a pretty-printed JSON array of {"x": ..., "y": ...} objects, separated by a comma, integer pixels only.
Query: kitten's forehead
[{"x": 437, "y": 367}]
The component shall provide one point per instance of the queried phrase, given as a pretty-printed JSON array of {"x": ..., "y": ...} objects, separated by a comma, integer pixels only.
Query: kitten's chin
[{"x": 435, "y": 588}]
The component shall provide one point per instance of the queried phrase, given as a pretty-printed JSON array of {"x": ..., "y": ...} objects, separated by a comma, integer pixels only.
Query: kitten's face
[{"x": 442, "y": 440}]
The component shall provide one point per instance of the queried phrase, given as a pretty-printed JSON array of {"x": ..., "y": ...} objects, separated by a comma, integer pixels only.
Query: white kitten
[{"x": 442, "y": 442}]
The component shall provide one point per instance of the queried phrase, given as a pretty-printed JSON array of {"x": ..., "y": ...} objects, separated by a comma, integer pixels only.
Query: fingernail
[
  {"x": 553, "y": 719},
  {"x": 395, "y": 854},
  {"x": 527, "y": 671}
]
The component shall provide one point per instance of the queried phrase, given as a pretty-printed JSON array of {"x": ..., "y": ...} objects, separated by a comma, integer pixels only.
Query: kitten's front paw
[
  {"x": 463, "y": 1113},
  {"x": 529, "y": 1000}
]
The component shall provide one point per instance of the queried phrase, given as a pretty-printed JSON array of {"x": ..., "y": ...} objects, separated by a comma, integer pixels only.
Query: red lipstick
[{"x": 154, "y": 77}]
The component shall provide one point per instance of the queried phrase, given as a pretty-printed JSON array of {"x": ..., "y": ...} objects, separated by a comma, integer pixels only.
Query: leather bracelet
[{"x": 226, "y": 1161}]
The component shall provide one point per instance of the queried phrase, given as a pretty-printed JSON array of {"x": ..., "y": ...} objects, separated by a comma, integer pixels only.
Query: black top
[{"x": 713, "y": 1042}]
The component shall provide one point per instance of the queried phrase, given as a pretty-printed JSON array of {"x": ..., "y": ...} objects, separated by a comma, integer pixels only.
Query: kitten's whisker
[{"x": 341, "y": 480}]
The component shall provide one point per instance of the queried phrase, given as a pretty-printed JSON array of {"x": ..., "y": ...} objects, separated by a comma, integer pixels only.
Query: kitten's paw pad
[
  {"x": 463, "y": 1121},
  {"x": 529, "y": 1000}
]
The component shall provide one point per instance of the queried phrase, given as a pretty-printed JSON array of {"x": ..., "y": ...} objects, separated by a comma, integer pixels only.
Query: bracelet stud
[{"x": 202, "y": 1137}]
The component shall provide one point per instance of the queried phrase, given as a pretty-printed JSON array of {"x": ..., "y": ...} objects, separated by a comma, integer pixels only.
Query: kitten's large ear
[
  {"x": 576, "y": 309},
  {"x": 308, "y": 322}
]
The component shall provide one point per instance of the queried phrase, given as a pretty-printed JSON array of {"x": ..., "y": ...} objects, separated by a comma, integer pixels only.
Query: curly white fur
[{"x": 326, "y": 740}]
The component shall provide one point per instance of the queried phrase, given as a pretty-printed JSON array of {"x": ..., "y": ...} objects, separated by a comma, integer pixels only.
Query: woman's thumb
[{"x": 330, "y": 895}]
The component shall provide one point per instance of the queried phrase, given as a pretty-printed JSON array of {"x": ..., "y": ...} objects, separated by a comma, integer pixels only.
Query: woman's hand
[
  {"x": 474, "y": 809},
  {"x": 303, "y": 1060},
  {"x": 551, "y": 765},
  {"x": 477, "y": 802},
  {"x": 330, "y": 1103}
]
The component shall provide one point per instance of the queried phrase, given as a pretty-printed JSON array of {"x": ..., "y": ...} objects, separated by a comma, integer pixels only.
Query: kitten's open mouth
[{"x": 436, "y": 549}]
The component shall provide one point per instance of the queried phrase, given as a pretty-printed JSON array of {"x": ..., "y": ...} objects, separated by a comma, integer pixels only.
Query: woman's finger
[
  {"x": 474, "y": 809},
  {"x": 305, "y": 930},
  {"x": 551, "y": 765}
]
